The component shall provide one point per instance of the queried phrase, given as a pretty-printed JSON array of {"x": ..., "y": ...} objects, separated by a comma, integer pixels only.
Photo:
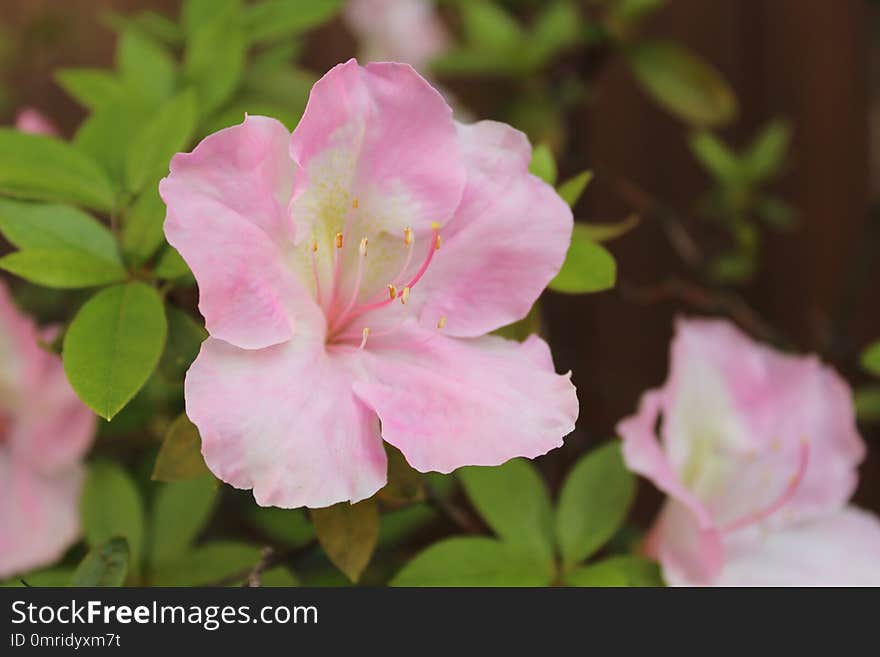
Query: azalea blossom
[
  {"x": 44, "y": 432},
  {"x": 33, "y": 121},
  {"x": 348, "y": 275},
  {"x": 407, "y": 31},
  {"x": 757, "y": 451}
]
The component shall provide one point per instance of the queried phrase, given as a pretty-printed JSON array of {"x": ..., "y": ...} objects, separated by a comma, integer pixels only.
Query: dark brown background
[{"x": 811, "y": 61}]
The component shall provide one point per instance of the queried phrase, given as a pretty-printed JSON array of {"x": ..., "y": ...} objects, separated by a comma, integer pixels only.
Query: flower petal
[
  {"x": 227, "y": 216},
  {"x": 39, "y": 515},
  {"x": 690, "y": 553},
  {"x": 381, "y": 135},
  {"x": 447, "y": 402},
  {"x": 283, "y": 421},
  {"x": 838, "y": 549},
  {"x": 506, "y": 242}
]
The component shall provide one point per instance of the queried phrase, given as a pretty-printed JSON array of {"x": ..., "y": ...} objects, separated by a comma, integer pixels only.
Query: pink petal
[
  {"x": 39, "y": 515},
  {"x": 381, "y": 135},
  {"x": 838, "y": 549},
  {"x": 689, "y": 553},
  {"x": 33, "y": 121},
  {"x": 507, "y": 240},
  {"x": 227, "y": 216},
  {"x": 283, "y": 421},
  {"x": 447, "y": 402}
]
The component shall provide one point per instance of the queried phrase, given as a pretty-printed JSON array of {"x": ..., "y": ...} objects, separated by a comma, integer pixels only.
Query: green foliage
[
  {"x": 467, "y": 561},
  {"x": 288, "y": 527},
  {"x": 215, "y": 563},
  {"x": 215, "y": 53},
  {"x": 111, "y": 507},
  {"x": 588, "y": 267},
  {"x": 593, "y": 503},
  {"x": 170, "y": 266},
  {"x": 62, "y": 268},
  {"x": 514, "y": 502},
  {"x": 573, "y": 188},
  {"x": 273, "y": 20},
  {"x": 348, "y": 533},
  {"x": 870, "y": 359},
  {"x": 683, "y": 83},
  {"x": 146, "y": 68},
  {"x": 92, "y": 88},
  {"x": 605, "y": 232},
  {"x": 543, "y": 164},
  {"x": 113, "y": 345},
  {"x": 104, "y": 566},
  {"x": 142, "y": 231},
  {"x": 106, "y": 135},
  {"x": 47, "y": 169},
  {"x": 867, "y": 402},
  {"x": 185, "y": 337},
  {"x": 180, "y": 457},
  {"x": 180, "y": 511},
  {"x": 617, "y": 571}
]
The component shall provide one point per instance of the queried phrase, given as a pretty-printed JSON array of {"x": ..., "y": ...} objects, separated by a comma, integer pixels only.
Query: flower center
[
  {"x": 346, "y": 304},
  {"x": 784, "y": 498}
]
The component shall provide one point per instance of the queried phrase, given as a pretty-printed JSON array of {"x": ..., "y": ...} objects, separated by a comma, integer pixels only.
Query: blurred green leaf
[
  {"x": 271, "y": 20},
  {"x": 289, "y": 527},
  {"x": 209, "y": 564},
  {"x": 870, "y": 359},
  {"x": 106, "y": 135},
  {"x": 91, "y": 87},
  {"x": 146, "y": 68},
  {"x": 634, "y": 10},
  {"x": 404, "y": 483},
  {"x": 556, "y": 28},
  {"x": 588, "y": 267},
  {"x": 180, "y": 457},
  {"x": 490, "y": 28},
  {"x": 185, "y": 337},
  {"x": 168, "y": 132},
  {"x": 605, "y": 232},
  {"x": 149, "y": 24},
  {"x": 348, "y": 533},
  {"x": 48, "y": 169},
  {"x": 765, "y": 156},
  {"x": 142, "y": 233},
  {"x": 170, "y": 266},
  {"x": 474, "y": 561},
  {"x": 113, "y": 345},
  {"x": 279, "y": 576},
  {"x": 683, "y": 83},
  {"x": 617, "y": 571},
  {"x": 111, "y": 507},
  {"x": 867, "y": 402},
  {"x": 593, "y": 503},
  {"x": 733, "y": 267},
  {"x": 104, "y": 565},
  {"x": 62, "y": 268},
  {"x": 181, "y": 509},
  {"x": 513, "y": 500},
  {"x": 57, "y": 576},
  {"x": 573, "y": 188},
  {"x": 215, "y": 56},
  {"x": 716, "y": 158},
  {"x": 194, "y": 14},
  {"x": 50, "y": 226},
  {"x": 775, "y": 213},
  {"x": 543, "y": 164}
]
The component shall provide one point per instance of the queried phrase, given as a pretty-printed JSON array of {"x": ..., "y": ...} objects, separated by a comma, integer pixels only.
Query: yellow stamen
[
  {"x": 435, "y": 225},
  {"x": 365, "y": 334},
  {"x": 392, "y": 291},
  {"x": 407, "y": 236},
  {"x": 313, "y": 245},
  {"x": 338, "y": 240},
  {"x": 362, "y": 249},
  {"x": 437, "y": 242},
  {"x": 404, "y": 296},
  {"x": 441, "y": 322},
  {"x": 355, "y": 203}
]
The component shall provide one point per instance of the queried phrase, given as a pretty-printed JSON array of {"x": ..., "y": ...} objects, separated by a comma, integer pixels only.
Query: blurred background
[{"x": 791, "y": 254}]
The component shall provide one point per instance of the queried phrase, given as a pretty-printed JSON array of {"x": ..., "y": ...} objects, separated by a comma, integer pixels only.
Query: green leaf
[
  {"x": 62, "y": 268},
  {"x": 91, "y": 88},
  {"x": 272, "y": 20},
  {"x": 104, "y": 565},
  {"x": 513, "y": 500},
  {"x": 146, "y": 68},
  {"x": 867, "y": 402},
  {"x": 489, "y": 28},
  {"x": 195, "y": 13},
  {"x": 617, "y": 571},
  {"x": 212, "y": 563},
  {"x": 113, "y": 345},
  {"x": 716, "y": 158},
  {"x": 57, "y": 576},
  {"x": 142, "y": 233},
  {"x": 168, "y": 132},
  {"x": 106, "y": 135},
  {"x": 50, "y": 226},
  {"x": 181, "y": 510},
  {"x": 289, "y": 527},
  {"x": 149, "y": 24},
  {"x": 171, "y": 265},
  {"x": 279, "y": 576},
  {"x": 348, "y": 533},
  {"x": 215, "y": 57},
  {"x": 573, "y": 188},
  {"x": 605, "y": 232},
  {"x": 593, "y": 503},
  {"x": 683, "y": 83},
  {"x": 766, "y": 155},
  {"x": 775, "y": 213},
  {"x": 634, "y": 10},
  {"x": 404, "y": 482},
  {"x": 48, "y": 169},
  {"x": 185, "y": 337},
  {"x": 588, "y": 267},
  {"x": 870, "y": 359},
  {"x": 111, "y": 507},
  {"x": 543, "y": 164},
  {"x": 180, "y": 457},
  {"x": 474, "y": 561},
  {"x": 557, "y": 28}
]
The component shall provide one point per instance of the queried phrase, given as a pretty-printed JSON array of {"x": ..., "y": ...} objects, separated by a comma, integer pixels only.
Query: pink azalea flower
[
  {"x": 44, "y": 432},
  {"x": 35, "y": 122},
  {"x": 336, "y": 318},
  {"x": 407, "y": 31},
  {"x": 758, "y": 453}
]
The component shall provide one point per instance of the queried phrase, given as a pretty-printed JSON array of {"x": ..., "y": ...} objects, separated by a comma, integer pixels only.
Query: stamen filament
[
  {"x": 313, "y": 248},
  {"x": 359, "y": 277},
  {"x": 364, "y": 335}
]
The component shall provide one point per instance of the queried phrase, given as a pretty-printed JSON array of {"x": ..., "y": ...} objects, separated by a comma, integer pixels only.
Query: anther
[
  {"x": 364, "y": 335},
  {"x": 392, "y": 291},
  {"x": 338, "y": 240},
  {"x": 441, "y": 322},
  {"x": 407, "y": 236},
  {"x": 362, "y": 248},
  {"x": 435, "y": 225},
  {"x": 313, "y": 245},
  {"x": 404, "y": 295},
  {"x": 437, "y": 243},
  {"x": 355, "y": 203}
]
